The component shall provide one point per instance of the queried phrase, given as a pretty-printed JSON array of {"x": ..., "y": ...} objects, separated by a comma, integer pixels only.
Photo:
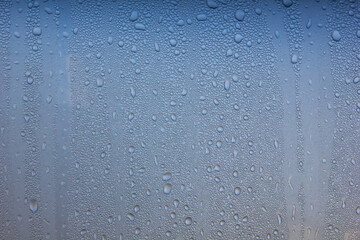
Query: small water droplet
[
  {"x": 130, "y": 216},
  {"x": 176, "y": 203},
  {"x": 336, "y": 36},
  {"x": 188, "y": 221},
  {"x": 134, "y": 16},
  {"x": 212, "y": 4},
  {"x": 33, "y": 205},
  {"x": 276, "y": 143},
  {"x": 287, "y": 3},
  {"x": 358, "y": 210},
  {"x": 227, "y": 85},
  {"x": 37, "y": 31},
  {"x": 132, "y": 92},
  {"x": 238, "y": 38},
  {"x": 167, "y": 188},
  {"x": 166, "y": 176},
  {"x": 201, "y": 17},
  {"x": 240, "y": 15},
  {"x": 139, "y": 26},
  {"x": 99, "y": 82}
]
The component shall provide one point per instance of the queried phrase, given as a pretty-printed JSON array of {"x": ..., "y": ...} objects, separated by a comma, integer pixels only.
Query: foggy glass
[{"x": 169, "y": 119}]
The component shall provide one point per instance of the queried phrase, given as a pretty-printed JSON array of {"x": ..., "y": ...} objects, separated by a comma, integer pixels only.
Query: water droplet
[
  {"x": 37, "y": 31},
  {"x": 212, "y": 4},
  {"x": 176, "y": 203},
  {"x": 33, "y": 205},
  {"x": 279, "y": 219},
  {"x": 227, "y": 85},
  {"x": 201, "y": 17},
  {"x": 99, "y": 82},
  {"x": 336, "y": 36},
  {"x": 183, "y": 92},
  {"x": 130, "y": 216},
  {"x": 48, "y": 10},
  {"x": 229, "y": 52},
  {"x": 240, "y": 15},
  {"x": 173, "y": 42},
  {"x": 134, "y": 16},
  {"x": 110, "y": 40},
  {"x": 27, "y": 117},
  {"x": 287, "y": 3},
  {"x": 131, "y": 116},
  {"x": 276, "y": 143},
  {"x": 188, "y": 221},
  {"x": 167, "y": 188},
  {"x": 166, "y": 176},
  {"x": 308, "y": 25},
  {"x": 49, "y": 99},
  {"x": 139, "y": 26},
  {"x": 132, "y": 92},
  {"x": 356, "y": 80},
  {"x": 17, "y": 34},
  {"x": 238, "y": 38},
  {"x": 30, "y": 80}
]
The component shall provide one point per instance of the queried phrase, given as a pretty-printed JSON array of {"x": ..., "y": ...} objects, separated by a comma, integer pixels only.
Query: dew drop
[
  {"x": 240, "y": 15},
  {"x": 167, "y": 188},
  {"x": 188, "y": 221},
  {"x": 166, "y": 176},
  {"x": 33, "y": 205},
  {"x": 336, "y": 36},
  {"x": 37, "y": 31}
]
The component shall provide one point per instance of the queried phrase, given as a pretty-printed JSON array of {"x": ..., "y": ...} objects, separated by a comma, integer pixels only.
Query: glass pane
[{"x": 209, "y": 119}]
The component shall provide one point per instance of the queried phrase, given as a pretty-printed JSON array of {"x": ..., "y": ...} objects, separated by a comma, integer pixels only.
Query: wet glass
[{"x": 202, "y": 119}]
